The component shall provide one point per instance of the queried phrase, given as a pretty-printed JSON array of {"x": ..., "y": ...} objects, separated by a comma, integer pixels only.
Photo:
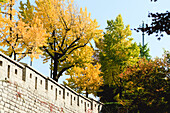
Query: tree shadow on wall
[{"x": 113, "y": 107}]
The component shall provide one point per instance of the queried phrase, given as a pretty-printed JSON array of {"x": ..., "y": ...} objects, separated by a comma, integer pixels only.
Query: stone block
[
  {"x": 2, "y": 111},
  {"x": 37, "y": 100},
  {"x": 2, "y": 103}
]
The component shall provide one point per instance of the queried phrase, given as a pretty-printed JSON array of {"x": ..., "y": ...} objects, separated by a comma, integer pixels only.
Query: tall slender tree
[{"x": 116, "y": 53}]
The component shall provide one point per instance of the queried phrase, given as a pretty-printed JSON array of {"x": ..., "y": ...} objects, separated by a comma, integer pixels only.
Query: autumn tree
[
  {"x": 116, "y": 53},
  {"x": 118, "y": 50},
  {"x": 4, "y": 1},
  {"x": 147, "y": 86},
  {"x": 85, "y": 79},
  {"x": 70, "y": 30},
  {"x": 17, "y": 37}
]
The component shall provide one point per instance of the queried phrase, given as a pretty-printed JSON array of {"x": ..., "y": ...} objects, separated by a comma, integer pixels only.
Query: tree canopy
[
  {"x": 116, "y": 53},
  {"x": 147, "y": 86},
  {"x": 118, "y": 50},
  {"x": 20, "y": 38},
  {"x": 85, "y": 79},
  {"x": 117, "y": 70},
  {"x": 144, "y": 51},
  {"x": 55, "y": 29},
  {"x": 160, "y": 23}
]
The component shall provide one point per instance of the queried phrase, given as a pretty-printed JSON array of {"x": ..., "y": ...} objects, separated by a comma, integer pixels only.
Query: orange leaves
[
  {"x": 53, "y": 28},
  {"x": 144, "y": 65},
  {"x": 22, "y": 38},
  {"x": 162, "y": 89},
  {"x": 146, "y": 82}
]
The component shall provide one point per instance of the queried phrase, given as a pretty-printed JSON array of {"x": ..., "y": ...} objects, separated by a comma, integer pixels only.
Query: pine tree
[{"x": 144, "y": 51}]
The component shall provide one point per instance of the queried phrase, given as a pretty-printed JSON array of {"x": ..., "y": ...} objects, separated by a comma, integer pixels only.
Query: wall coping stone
[
  {"x": 25, "y": 66},
  {"x": 11, "y": 60}
]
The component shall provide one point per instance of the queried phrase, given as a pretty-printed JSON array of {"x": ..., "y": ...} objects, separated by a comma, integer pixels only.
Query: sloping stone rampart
[{"x": 25, "y": 90}]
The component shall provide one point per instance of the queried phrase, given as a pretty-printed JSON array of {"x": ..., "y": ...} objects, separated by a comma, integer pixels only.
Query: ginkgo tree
[
  {"x": 70, "y": 30},
  {"x": 18, "y": 38},
  {"x": 116, "y": 53},
  {"x": 85, "y": 79},
  {"x": 118, "y": 50}
]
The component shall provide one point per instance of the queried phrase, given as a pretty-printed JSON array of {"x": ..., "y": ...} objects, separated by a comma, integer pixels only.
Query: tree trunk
[
  {"x": 55, "y": 77},
  {"x": 51, "y": 72},
  {"x": 86, "y": 92},
  {"x": 15, "y": 57},
  {"x": 10, "y": 18}
]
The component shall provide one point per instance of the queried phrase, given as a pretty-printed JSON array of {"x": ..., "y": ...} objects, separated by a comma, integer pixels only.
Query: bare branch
[
  {"x": 5, "y": 13},
  {"x": 64, "y": 69},
  {"x": 78, "y": 47},
  {"x": 70, "y": 46},
  {"x": 46, "y": 50}
]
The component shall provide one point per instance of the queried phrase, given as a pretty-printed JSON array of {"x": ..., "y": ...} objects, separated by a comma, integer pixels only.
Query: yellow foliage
[
  {"x": 67, "y": 22},
  {"x": 23, "y": 38},
  {"x": 117, "y": 51},
  {"x": 71, "y": 31},
  {"x": 55, "y": 29},
  {"x": 85, "y": 79}
]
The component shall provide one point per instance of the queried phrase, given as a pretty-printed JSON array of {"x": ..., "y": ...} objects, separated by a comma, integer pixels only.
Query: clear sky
[{"x": 133, "y": 13}]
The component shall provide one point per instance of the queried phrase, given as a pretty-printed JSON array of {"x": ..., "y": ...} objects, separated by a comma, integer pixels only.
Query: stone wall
[{"x": 25, "y": 90}]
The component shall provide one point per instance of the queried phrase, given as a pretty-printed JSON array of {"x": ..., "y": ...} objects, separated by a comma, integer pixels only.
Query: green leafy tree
[{"x": 116, "y": 53}]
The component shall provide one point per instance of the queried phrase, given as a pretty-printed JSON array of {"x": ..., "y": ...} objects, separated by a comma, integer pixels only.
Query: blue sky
[{"x": 133, "y": 13}]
